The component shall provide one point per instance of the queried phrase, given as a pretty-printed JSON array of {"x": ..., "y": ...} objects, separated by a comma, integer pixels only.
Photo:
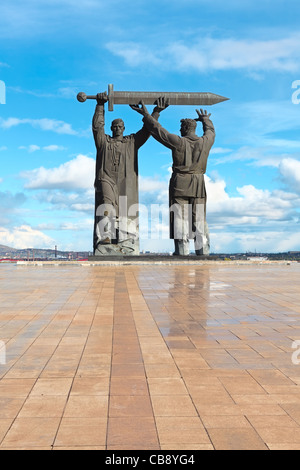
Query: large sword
[{"x": 150, "y": 97}]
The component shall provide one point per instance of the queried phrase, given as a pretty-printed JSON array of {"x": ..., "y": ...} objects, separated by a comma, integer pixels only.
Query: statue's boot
[{"x": 182, "y": 248}]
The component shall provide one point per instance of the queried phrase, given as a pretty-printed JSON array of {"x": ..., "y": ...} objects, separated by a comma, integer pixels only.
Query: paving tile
[
  {"x": 80, "y": 432},
  {"x": 262, "y": 410},
  {"x": 43, "y": 407},
  {"x": 128, "y": 370},
  {"x": 136, "y": 405},
  {"x": 26, "y": 448},
  {"x": 270, "y": 377},
  {"x": 181, "y": 447},
  {"x": 90, "y": 386},
  {"x": 161, "y": 370},
  {"x": 188, "y": 431},
  {"x": 48, "y": 387},
  {"x": 287, "y": 446},
  {"x": 87, "y": 406},
  {"x": 190, "y": 363},
  {"x": 173, "y": 405},
  {"x": 31, "y": 432},
  {"x": 236, "y": 439},
  {"x": 242, "y": 386},
  {"x": 275, "y": 421},
  {"x": 15, "y": 387},
  {"x": 259, "y": 399},
  {"x": 129, "y": 386},
  {"x": 5, "y": 424},
  {"x": 136, "y": 432},
  {"x": 89, "y": 447},
  {"x": 293, "y": 410},
  {"x": 167, "y": 386},
  {"x": 10, "y": 407},
  {"x": 209, "y": 397},
  {"x": 225, "y": 421},
  {"x": 133, "y": 447},
  {"x": 279, "y": 435}
]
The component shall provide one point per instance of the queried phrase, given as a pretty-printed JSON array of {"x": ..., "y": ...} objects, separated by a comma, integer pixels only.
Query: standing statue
[
  {"x": 116, "y": 184},
  {"x": 187, "y": 193}
]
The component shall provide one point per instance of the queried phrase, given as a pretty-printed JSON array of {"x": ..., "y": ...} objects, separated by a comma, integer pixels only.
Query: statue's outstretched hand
[
  {"x": 202, "y": 114},
  {"x": 161, "y": 103},
  {"x": 139, "y": 108}
]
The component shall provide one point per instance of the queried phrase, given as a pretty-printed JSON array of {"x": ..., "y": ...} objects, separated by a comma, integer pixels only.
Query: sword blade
[{"x": 184, "y": 98}]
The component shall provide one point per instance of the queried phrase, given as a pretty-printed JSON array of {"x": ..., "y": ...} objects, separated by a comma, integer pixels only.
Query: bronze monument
[
  {"x": 116, "y": 183},
  {"x": 187, "y": 193}
]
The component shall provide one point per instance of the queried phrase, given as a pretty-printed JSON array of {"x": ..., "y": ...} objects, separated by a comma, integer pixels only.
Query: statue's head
[
  {"x": 117, "y": 128},
  {"x": 188, "y": 126}
]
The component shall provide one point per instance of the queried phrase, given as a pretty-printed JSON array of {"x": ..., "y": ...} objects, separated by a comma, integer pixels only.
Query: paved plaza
[{"x": 197, "y": 356}]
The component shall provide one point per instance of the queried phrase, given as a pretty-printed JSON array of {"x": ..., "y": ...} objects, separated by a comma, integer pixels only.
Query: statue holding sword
[
  {"x": 116, "y": 182},
  {"x": 187, "y": 193}
]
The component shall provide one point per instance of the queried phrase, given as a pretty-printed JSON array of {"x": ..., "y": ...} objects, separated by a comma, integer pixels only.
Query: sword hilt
[{"x": 82, "y": 97}]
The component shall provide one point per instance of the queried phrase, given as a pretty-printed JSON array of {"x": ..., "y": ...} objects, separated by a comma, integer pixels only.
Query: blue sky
[{"x": 247, "y": 51}]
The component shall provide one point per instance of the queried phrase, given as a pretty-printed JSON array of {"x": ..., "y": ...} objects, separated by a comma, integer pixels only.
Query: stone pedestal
[{"x": 128, "y": 247}]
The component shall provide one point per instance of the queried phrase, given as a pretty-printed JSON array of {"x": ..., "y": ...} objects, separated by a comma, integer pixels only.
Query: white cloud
[
  {"x": 80, "y": 201},
  {"x": 10, "y": 204},
  {"x": 148, "y": 184},
  {"x": 45, "y": 124},
  {"x": 77, "y": 173},
  {"x": 261, "y": 241},
  {"x": 253, "y": 205},
  {"x": 290, "y": 173},
  {"x": 246, "y": 153},
  {"x": 83, "y": 225},
  {"x": 33, "y": 148},
  {"x": 81, "y": 207},
  {"x": 53, "y": 148},
  {"x": 25, "y": 237},
  {"x": 48, "y": 148},
  {"x": 216, "y": 54},
  {"x": 134, "y": 54},
  {"x": 219, "y": 150},
  {"x": 30, "y": 148},
  {"x": 256, "y": 219}
]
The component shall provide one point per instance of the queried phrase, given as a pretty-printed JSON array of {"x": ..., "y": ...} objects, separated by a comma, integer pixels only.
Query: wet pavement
[{"x": 141, "y": 357}]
